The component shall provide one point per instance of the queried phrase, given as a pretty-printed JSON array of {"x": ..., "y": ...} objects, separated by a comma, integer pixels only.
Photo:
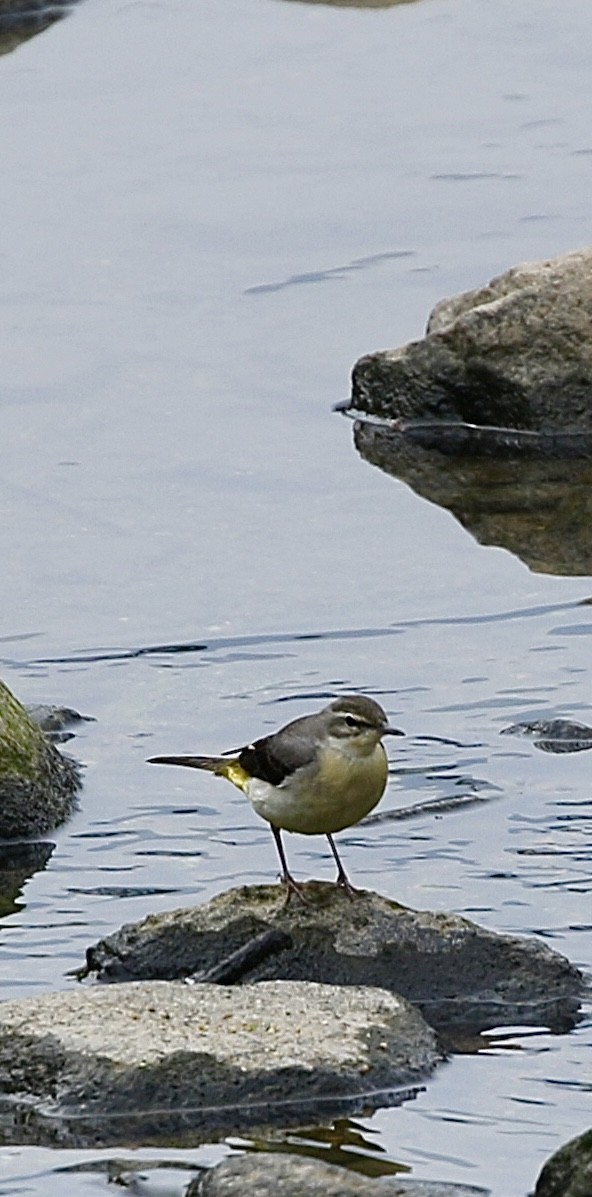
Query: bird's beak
[{"x": 392, "y": 731}]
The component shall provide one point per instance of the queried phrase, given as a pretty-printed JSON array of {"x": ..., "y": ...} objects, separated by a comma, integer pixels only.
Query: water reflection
[
  {"x": 18, "y": 862},
  {"x": 343, "y": 1141},
  {"x": 539, "y": 508}
]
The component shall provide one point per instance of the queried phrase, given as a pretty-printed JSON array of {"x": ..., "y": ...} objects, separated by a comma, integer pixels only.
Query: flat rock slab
[
  {"x": 149, "y": 1060},
  {"x": 292, "y": 1176},
  {"x": 458, "y": 974}
]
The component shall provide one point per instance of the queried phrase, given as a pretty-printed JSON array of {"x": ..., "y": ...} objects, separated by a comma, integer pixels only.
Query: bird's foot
[
  {"x": 292, "y": 887},
  {"x": 345, "y": 884}
]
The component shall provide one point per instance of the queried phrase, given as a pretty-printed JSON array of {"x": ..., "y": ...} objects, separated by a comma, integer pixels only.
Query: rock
[
  {"x": 56, "y": 722},
  {"x": 515, "y": 354},
  {"x": 554, "y": 735},
  {"x": 22, "y": 19},
  {"x": 287, "y": 1175},
  {"x": 38, "y": 785},
  {"x": 148, "y": 1060},
  {"x": 503, "y": 374},
  {"x": 569, "y": 1171},
  {"x": 458, "y": 974}
]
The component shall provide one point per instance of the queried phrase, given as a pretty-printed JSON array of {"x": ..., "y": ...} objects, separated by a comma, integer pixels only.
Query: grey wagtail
[{"x": 316, "y": 775}]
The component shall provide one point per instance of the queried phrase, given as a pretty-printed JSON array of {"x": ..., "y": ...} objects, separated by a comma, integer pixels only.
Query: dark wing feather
[{"x": 275, "y": 757}]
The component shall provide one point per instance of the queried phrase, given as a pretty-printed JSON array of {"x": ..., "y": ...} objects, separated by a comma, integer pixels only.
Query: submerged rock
[
  {"x": 458, "y": 974},
  {"x": 57, "y": 722},
  {"x": 38, "y": 786},
  {"x": 149, "y": 1060},
  {"x": 290, "y": 1175},
  {"x": 515, "y": 354},
  {"x": 554, "y": 735}
]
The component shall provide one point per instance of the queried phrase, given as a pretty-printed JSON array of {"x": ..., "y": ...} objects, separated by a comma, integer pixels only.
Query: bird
[{"x": 315, "y": 776}]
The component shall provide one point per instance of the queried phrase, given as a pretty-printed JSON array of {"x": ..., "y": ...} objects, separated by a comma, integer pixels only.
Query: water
[{"x": 208, "y": 213}]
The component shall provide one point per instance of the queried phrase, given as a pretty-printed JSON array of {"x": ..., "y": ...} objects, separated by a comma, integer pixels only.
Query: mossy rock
[{"x": 38, "y": 785}]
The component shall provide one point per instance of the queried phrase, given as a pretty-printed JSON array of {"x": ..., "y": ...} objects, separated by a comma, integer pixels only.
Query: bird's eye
[{"x": 351, "y": 721}]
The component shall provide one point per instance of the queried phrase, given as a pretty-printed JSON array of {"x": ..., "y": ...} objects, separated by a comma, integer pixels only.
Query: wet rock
[
  {"x": 569, "y": 1171},
  {"x": 289, "y": 1175},
  {"x": 458, "y": 974},
  {"x": 149, "y": 1060},
  {"x": 515, "y": 354},
  {"x": 57, "y": 722},
  {"x": 38, "y": 785},
  {"x": 554, "y": 735}
]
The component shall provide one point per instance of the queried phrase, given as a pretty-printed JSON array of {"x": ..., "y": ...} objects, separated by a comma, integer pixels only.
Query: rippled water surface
[{"x": 209, "y": 212}]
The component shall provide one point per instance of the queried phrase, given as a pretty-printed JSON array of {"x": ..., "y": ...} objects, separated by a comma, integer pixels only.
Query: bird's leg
[
  {"x": 287, "y": 878},
  {"x": 342, "y": 878}
]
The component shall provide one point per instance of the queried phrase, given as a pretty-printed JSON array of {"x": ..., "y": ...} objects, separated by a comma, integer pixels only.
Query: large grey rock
[
  {"x": 457, "y": 973},
  {"x": 569, "y": 1171},
  {"x": 515, "y": 353},
  {"x": 289, "y": 1175},
  {"x": 148, "y": 1060}
]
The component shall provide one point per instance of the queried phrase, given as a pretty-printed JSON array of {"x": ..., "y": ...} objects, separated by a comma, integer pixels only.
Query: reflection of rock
[
  {"x": 38, "y": 785},
  {"x": 554, "y": 735},
  {"x": 18, "y": 862},
  {"x": 22, "y": 19},
  {"x": 569, "y": 1171},
  {"x": 540, "y": 510},
  {"x": 516, "y": 353},
  {"x": 457, "y": 973}
]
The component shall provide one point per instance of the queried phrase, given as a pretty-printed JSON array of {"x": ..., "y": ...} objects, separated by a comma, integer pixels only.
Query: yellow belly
[{"x": 336, "y": 792}]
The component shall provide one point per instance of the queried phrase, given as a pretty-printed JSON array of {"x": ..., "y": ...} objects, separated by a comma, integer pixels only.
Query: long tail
[
  {"x": 213, "y": 764},
  {"x": 222, "y": 766}
]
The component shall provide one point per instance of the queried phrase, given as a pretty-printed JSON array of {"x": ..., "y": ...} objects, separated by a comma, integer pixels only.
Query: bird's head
[{"x": 359, "y": 722}]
